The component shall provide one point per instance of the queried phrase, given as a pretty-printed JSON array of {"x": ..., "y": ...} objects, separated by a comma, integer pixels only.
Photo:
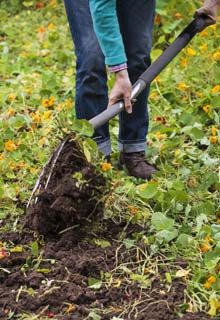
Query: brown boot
[{"x": 137, "y": 165}]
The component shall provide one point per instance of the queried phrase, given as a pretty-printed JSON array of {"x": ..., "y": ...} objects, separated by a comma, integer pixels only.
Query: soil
[
  {"x": 71, "y": 197},
  {"x": 54, "y": 279}
]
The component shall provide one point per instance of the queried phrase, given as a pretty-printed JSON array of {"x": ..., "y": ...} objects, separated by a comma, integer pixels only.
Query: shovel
[{"x": 196, "y": 26}]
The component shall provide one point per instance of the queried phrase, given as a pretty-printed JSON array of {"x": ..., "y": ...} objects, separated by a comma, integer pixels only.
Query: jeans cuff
[
  {"x": 105, "y": 147},
  {"x": 132, "y": 147}
]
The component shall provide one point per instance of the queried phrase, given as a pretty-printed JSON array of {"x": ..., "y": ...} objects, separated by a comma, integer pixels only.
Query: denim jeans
[{"x": 136, "y": 22}]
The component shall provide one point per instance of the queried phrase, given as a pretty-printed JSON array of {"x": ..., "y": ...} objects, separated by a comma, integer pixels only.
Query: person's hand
[
  {"x": 210, "y": 10},
  {"x": 121, "y": 90}
]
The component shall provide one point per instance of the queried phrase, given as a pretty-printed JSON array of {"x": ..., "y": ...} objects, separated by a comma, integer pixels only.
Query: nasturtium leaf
[
  {"x": 183, "y": 240},
  {"x": 94, "y": 315},
  {"x": 94, "y": 283},
  {"x": 102, "y": 243},
  {"x": 149, "y": 191},
  {"x": 166, "y": 235},
  {"x": 161, "y": 222},
  {"x": 212, "y": 258},
  {"x": 129, "y": 243}
]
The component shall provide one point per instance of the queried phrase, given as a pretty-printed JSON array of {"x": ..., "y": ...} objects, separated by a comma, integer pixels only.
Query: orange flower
[
  {"x": 157, "y": 19},
  {"x": 178, "y": 15},
  {"x": 3, "y": 254},
  {"x": 160, "y": 119},
  {"x": 41, "y": 30},
  {"x": 216, "y": 89},
  {"x": 191, "y": 52},
  {"x": 133, "y": 210},
  {"x": 10, "y": 145},
  {"x": 106, "y": 166},
  {"x": 209, "y": 281},
  {"x": 1, "y": 156},
  {"x": 213, "y": 140},
  {"x": 205, "y": 247},
  {"x": 183, "y": 62},
  {"x": 39, "y": 5},
  {"x": 206, "y": 108}
]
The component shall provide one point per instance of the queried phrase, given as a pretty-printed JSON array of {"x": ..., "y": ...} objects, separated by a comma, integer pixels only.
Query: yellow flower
[
  {"x": 216, "y": 55},
  {"x": 35, "y": 116},
  {"x": 11, "y": 112},
  {"x": 52, "y": 3},
  {"x": 213, "y": 140},
  {"x": 204, "y": 33},
  {"x": 160, "y": 135},
  {"x": 68, "y": 103},
  {"x": 206, "y": 108},
  {"x": 106, "y": 166},
  {"x": 12, "y": 96},
  {"x": 42, "y": 141},
  {"x": 214, "y": 131},
  {"x": 48, "y": 102},
  {"x": 51, "y": 26},
  {"x": 200, "y": 94},
  {"x": 204, "y": 47},
  {"x": 70, "y": 308},
  {"x": 47, "y": 114},
  {"x": 182, "y": 86},
  {"x": 1, "y": 156},
  {"x": 209, "y": 281},
  {"x": 153, "y": 95},
  {"x": 216, "y": 89},
  {"x": 183, "y": 62},
  {"x": 158, "y": 79},
  {"x": 10, "y": 145},
  {"x": 191, "y": 52}
]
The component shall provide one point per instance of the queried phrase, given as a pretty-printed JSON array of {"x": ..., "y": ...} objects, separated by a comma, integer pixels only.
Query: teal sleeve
[{"x": 107, "y": 29}]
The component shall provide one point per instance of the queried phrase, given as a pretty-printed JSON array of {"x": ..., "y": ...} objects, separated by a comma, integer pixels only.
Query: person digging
[{"x": 117, "y": 33}]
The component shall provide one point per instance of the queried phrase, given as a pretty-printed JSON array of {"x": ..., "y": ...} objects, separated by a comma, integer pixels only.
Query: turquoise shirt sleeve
[{"x": 107, "y": 29}]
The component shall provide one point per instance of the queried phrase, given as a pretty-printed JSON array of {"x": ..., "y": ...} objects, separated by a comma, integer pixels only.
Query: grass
[{"x": 181, "y": 206}]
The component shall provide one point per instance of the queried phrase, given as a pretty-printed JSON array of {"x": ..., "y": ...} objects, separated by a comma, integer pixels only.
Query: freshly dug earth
[
  {"x": 72, "y": 195},
  {"x": 73, "y": 265},
  {"x": 57, "y": 282}
]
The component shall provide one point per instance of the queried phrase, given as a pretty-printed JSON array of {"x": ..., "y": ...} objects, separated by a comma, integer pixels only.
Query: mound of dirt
[
  {"x": 60, "y": 282},
  {"x": 72, "y": 195}
]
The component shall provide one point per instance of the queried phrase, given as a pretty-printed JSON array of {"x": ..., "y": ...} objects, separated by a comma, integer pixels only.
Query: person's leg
[
  {"x": 136, "y": 22},
  {"x": 91, "y": 79}
]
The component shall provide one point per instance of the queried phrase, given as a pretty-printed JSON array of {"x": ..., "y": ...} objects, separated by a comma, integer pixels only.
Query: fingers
[{"x": 127, "y": 102}]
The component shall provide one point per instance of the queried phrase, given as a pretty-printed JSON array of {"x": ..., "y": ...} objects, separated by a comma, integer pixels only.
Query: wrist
[{"x": 121, "y": 74}]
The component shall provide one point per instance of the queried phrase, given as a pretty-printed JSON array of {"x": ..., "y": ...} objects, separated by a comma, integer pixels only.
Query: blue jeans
[{"x": 136, "y": 22}]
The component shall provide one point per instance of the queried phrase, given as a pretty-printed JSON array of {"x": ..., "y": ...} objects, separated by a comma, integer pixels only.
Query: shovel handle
[{"x": 196, "y": 26}]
